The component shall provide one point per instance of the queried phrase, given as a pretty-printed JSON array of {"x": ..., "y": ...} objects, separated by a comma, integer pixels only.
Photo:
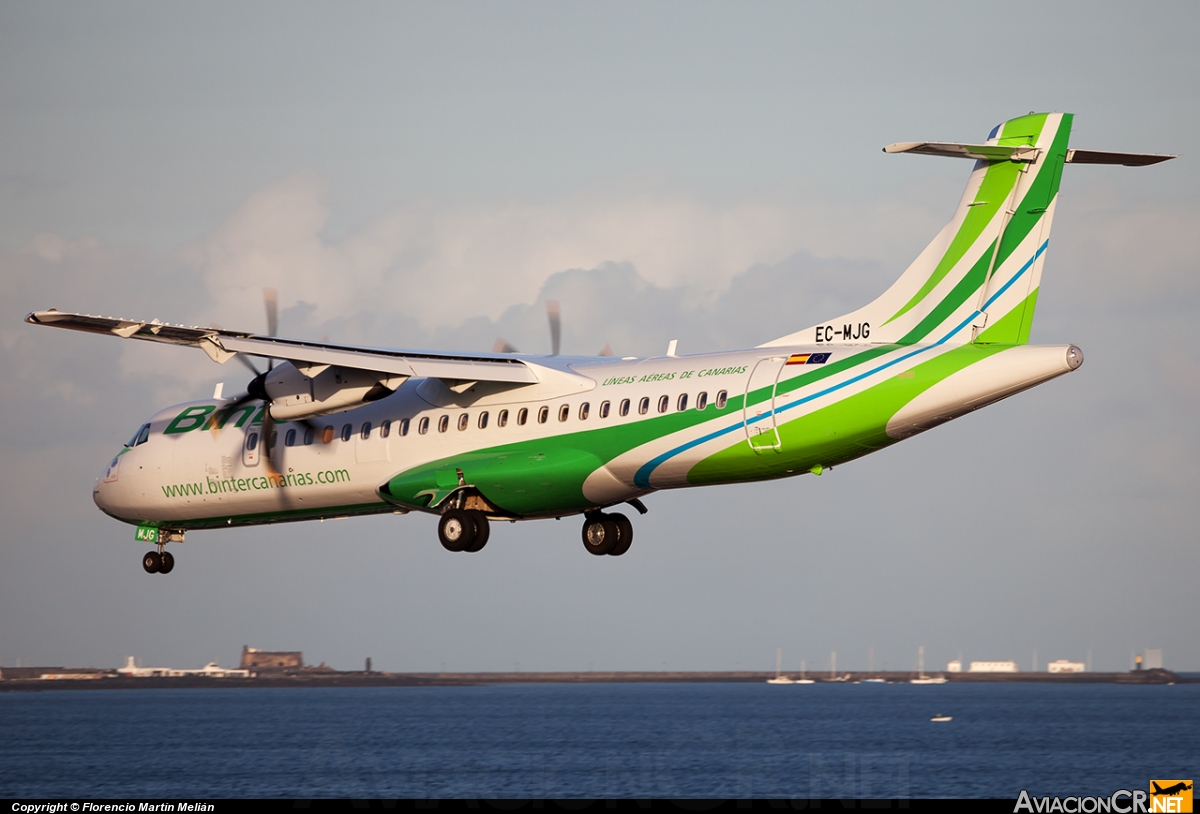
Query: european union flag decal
[{"x": 818, "y": 358}]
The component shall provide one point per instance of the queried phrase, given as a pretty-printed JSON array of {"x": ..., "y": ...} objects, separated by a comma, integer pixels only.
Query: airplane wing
[{"x": 222, "y": 345}]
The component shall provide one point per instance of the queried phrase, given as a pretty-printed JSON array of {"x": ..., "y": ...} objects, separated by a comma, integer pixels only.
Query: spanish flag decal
[{"x": 808, "y": 358}]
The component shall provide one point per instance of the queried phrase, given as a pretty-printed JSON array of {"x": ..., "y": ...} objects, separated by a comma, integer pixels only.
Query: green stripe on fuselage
[
  {"x": 845, "y": 430},
  {"x": 547, "y": 474}
]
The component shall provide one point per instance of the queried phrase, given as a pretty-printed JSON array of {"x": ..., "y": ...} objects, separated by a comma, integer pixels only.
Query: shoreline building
[
  {"x": 1064, "y": 666},
  {"x": 992, "y": 667},
  {"x": 255, "y": 659},
  {"x": 212, "y": 670}
]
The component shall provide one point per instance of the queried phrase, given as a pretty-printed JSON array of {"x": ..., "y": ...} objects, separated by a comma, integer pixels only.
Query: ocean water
[{"x": 598, "y": 740}]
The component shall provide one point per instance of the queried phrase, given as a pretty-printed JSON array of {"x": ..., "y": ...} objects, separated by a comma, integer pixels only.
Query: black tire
[
  {"x": 167, "y": 562},
  {"x": 599, "y": 535},
  {"x": 151, "y": 562},
  {"x": 624, "y": 534},
  {"x": 456, "y": 530},
  {"x": 483, "y": 530}
]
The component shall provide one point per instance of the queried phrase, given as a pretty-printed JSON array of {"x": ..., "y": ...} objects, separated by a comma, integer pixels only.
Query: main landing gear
[
  {"x": 464, "y": 530},
  {"x": 610, "y": 534}
]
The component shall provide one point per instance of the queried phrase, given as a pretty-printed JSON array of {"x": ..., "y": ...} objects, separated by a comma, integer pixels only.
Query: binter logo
[{"x": 1171, "y": 795}]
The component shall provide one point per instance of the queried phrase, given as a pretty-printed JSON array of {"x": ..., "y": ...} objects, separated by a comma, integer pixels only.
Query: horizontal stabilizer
[
  {"x": 979, "y": 152},
  {"x": 1123, "y": 159}
]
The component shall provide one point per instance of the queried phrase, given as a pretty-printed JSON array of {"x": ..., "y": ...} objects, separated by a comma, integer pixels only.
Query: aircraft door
[
  {"x": 252, "y": 446},
  {"x": 758, "y": 413}
]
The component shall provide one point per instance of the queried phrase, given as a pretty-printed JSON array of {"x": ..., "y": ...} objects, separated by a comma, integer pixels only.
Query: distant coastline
[{"x": 30, "y": 679}]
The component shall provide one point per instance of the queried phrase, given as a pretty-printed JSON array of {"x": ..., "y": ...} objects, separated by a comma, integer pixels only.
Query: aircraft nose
[{"x": 102, "y": 491}]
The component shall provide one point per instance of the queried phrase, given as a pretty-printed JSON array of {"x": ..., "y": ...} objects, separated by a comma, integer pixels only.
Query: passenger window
[
  {"x": 722, "y": 398},
  {"x": 327, "y": 435},
  {"x": 385, "y": 429},
  {"x": 252, "y": 442},
  {"x": 347, "y": 431},
  {"x": 308, "y": 435},
  {"x": 366, "y": 430},
  {"x": 463, "y": 420},
  {"x": 543, "y": 414},
  {"x": 443, "y": 423},
  {"x": 663, "y": 403},
  {"x": 583, "y": 411},
  {"x": 564, "y": 412},
  {"x": 604, "y": 405},
  {"x": 522, "y": 416},
  {"x": 644, "y": 405},
  {"x": 624, "y": 407},
  {"x": 502, "y": 418},
  {"x": 701, "y": 399},
  {"x": 483, "y": 420},
  {"x": 403, "y": 427},
  {"x": 274, "y": 438},
  {"x": 290, "y": 439},
  {"x": 423, "y": 427},
  {"x": 682, "y": 403}
]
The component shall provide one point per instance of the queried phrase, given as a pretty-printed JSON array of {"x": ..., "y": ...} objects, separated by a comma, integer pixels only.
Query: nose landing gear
[
  {"x": 158, "y": 563},
  {"x": 162, "y": 561}
]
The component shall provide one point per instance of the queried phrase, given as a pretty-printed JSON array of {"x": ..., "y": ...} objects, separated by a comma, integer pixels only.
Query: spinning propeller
[
  {"x": 256, "y": 390},
  {"x": 554, "y": 315}
]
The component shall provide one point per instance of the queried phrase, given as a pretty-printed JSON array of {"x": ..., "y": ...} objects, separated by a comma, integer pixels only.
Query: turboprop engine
[{"x": 309, "y": 391}]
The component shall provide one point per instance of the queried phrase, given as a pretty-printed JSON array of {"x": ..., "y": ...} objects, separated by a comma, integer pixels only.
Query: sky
[{"x": 425, "y": 175}]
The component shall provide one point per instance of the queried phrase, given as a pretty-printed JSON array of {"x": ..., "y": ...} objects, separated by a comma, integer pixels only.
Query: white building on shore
[
  {"x": 992, "y": 667},
  {"x": 1064, "y": 666},
  {"x": 212, "y": 670}
]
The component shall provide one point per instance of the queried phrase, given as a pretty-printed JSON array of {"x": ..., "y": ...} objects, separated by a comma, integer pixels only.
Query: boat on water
[
  {"x": 779, "y": 679},
  {"x": 874, "y": 681},
  {"x": 802, "y": 679},
  {"x": 941, "y": 719},
  {"x": 921, "y": 677}
]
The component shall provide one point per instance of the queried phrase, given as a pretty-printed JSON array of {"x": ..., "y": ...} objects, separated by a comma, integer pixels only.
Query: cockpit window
[{"x": 140, "y": 437}]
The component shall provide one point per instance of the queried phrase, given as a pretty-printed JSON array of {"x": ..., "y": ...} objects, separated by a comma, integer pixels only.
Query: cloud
[{"x": 440, "y": 265}]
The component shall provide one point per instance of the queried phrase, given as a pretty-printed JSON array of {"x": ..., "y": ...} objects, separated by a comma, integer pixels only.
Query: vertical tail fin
[{"x": 978, "y": 280}]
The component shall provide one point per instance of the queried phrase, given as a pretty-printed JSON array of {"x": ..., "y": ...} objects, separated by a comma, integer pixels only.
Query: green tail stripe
[{"x": 1028, "y": 214}]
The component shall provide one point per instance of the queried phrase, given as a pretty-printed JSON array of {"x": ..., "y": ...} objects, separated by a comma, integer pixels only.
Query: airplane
[
  {"x": 334, "y": 431},
  {"x": 1170, "y": 791}
]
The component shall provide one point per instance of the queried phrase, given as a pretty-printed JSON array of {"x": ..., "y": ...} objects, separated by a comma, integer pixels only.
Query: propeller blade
[
  {"x": 554, "y": 314},
  {"x": 271, "y": 301},
  {"x": 607, "y": 350},
  {"x": 268, "y": 430},
  {"x": 248, "y": 364},
  {"x": 502, "y": 346}
]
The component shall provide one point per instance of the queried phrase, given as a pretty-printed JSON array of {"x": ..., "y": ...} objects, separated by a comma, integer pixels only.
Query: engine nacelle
[{"x": 309, "y": 391}]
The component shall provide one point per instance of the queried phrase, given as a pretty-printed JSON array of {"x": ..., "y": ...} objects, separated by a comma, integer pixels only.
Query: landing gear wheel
[
  {"x": 456, "y": 530},
  {"x": 152, "y": 562},
  {"x": 599, "y": 534},
  {"x": 166, "y": 562},
  {"x": 483, "y": 530},
  {"x": 624, "y": 534}
]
